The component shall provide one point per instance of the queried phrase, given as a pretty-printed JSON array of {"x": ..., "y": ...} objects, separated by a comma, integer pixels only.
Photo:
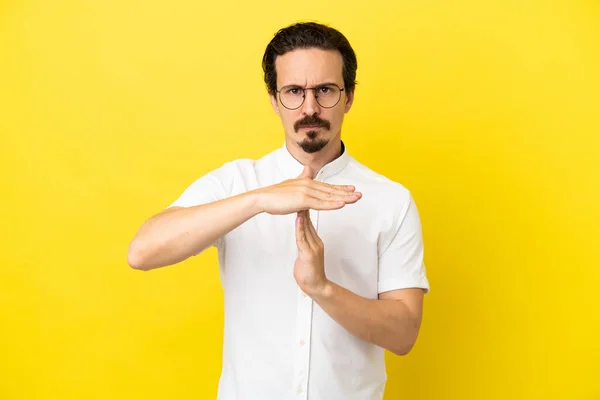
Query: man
[{"x": 319, "y": 277}]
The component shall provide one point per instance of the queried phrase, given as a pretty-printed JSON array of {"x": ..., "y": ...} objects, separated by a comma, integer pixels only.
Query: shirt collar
[{"x": 292, "y": 167}]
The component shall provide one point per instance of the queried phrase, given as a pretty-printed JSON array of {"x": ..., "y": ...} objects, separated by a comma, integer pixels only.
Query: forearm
[
  {"x": 176, "y": 234},
  {"x": 387, "y": 323}
]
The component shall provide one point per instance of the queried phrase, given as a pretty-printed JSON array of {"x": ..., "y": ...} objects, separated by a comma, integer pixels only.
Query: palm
[{"x": 301, "y": 273}]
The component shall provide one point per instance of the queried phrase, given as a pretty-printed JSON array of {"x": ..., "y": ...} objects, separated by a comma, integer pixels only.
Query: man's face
[{"x": 311, "y": 125}]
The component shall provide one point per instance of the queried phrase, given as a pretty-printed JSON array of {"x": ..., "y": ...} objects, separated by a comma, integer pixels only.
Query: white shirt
[{"x": 278, "y": 343}]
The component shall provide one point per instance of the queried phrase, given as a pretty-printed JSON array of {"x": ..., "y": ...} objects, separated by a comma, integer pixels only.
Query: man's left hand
[{"x": 309, "y": 268}]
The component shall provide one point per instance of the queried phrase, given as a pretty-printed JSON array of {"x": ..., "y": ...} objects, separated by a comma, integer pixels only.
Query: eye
[
  {"x": 325, "y": 89},
  {"x": 294, "y": 91}
]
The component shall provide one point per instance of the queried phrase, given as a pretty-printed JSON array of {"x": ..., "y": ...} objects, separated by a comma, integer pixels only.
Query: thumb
[{"x": 306, "y": 172}]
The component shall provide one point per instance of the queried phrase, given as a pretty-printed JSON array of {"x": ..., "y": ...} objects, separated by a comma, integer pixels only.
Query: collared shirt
[{"x": 278, "y": 343}]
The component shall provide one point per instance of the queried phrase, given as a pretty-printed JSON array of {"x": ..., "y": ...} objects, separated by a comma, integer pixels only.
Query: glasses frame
[{"x": 314, "y": 93}]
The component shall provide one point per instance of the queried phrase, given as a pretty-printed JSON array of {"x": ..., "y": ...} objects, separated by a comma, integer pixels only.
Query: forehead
[{"x": 309, "y": 67}]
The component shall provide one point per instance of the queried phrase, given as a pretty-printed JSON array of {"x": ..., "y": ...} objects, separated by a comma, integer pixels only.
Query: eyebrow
[{"x": 320, "y": 84}]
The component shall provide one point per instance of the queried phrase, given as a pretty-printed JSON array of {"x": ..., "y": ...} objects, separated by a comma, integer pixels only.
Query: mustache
[{"x": 312, "y": 120}]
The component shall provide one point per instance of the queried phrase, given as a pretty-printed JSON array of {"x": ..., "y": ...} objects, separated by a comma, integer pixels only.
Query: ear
[
  {"x": 349, "y": 100},
  {"x": 274, "y": 102}
]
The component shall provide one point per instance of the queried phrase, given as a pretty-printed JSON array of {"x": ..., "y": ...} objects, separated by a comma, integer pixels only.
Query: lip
[{"x": 312, "y": 127}]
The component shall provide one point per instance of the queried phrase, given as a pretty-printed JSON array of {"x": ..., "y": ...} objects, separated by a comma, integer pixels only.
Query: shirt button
[
  {"x": 304, "y": 294},
  {"x": 299, "y": 390},
  {"x": 302, "y": 343}
]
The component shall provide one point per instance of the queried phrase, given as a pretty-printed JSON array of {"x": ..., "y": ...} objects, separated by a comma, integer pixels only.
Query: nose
[{"x": 310, "y": 106}]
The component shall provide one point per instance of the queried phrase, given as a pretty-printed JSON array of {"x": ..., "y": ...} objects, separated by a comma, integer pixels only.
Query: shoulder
[
  {"x": 242, "y": 174},
  {"x": 244, "y": 166},
  {"x": 387, "y": 203},
  {"x": 376, "y": 185}
]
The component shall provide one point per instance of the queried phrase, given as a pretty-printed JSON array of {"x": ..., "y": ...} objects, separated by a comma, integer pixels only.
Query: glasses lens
[
  {"x": 328, "y": 95},
  {"x": 291, "y": 96}
]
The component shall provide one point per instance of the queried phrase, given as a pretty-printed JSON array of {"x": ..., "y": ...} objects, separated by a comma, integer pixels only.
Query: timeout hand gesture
[{"x": 304, "y": 193}]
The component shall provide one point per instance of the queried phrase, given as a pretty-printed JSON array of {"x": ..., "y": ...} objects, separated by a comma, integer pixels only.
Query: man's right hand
[{"x": 304, "y": 193}]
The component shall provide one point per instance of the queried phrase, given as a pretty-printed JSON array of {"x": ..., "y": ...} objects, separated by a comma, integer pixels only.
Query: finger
[
  {"x": 329, "y": 187},
  {"x": 309, "y": 231},
  {"x": 346, "y": 197},
  {"x": 306, "y": 172},
  {"x": 301, "y": 240},
  {"x": 310, "y": 228},
  {"x": 318, "y": 204},
  {"x": 316, "y": 242},
  {"x": 316, "y": 237},
  {"x": 306, "y": 224}
]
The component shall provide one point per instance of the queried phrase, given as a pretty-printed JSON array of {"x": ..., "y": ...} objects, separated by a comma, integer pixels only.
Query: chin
[{"x": 313, "y": 145}]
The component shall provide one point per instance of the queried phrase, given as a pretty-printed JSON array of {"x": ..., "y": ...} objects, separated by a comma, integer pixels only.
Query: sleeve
[
  {"x": 401, "y": 263},
  {"x": 213, "y": 186}
]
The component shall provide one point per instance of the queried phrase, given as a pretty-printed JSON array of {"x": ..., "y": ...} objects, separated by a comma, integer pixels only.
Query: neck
[{"x": 317, "y": 160}]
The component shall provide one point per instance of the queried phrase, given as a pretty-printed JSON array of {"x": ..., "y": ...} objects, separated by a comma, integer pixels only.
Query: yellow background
[{"x": 488, "y": 111}]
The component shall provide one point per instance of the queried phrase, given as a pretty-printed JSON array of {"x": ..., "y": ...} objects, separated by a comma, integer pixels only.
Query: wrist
[
  {"x": 324, "y": 291},
  {"x": 255, "y": 199}
]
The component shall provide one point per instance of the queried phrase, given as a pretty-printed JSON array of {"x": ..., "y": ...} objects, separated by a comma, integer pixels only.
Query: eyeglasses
[{"x": 328, "y": 95}]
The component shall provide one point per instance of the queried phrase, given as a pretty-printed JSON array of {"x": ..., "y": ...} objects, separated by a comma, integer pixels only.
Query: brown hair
[{"x": 307, "y": 35}]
